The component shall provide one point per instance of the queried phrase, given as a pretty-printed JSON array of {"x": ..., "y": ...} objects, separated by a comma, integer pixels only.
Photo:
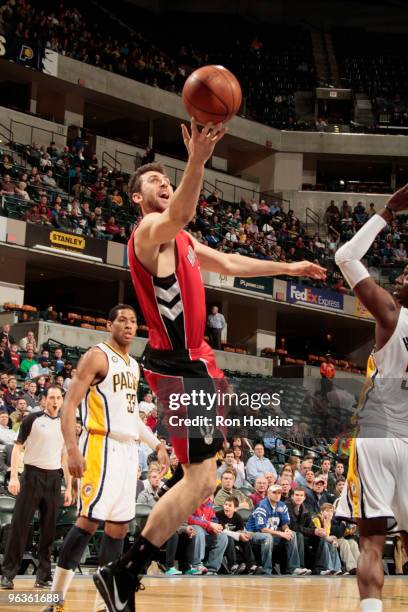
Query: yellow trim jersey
[
  {"x": 110, "y": 407},
  {"x": 384, "y": 410}
]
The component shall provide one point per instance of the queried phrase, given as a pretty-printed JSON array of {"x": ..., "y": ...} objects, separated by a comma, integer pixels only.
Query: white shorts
[
  {"x": 108, "y": 486},
  {"x": 377, "y": 482}
]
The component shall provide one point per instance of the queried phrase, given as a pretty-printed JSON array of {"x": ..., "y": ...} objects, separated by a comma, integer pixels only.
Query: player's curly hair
[{"x": 135, "y": 182}]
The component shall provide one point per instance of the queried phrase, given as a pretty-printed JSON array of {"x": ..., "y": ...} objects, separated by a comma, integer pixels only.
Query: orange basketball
[{"x": 212, "y": 93}]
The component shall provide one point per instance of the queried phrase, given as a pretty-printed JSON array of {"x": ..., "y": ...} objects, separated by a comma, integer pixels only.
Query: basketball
[{"x": 212, "y": 93}]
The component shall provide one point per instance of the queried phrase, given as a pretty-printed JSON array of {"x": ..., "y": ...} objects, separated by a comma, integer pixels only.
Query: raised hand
[
  {"x": 399, "y": 200},
  {"x": 307, "y": 268},
  {"x": 200, "y": 144}
]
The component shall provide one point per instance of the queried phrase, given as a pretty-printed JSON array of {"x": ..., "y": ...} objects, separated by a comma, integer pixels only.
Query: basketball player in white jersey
[
  {"x": 106, "y": 459},
  {"x": 376, "y": 496}
]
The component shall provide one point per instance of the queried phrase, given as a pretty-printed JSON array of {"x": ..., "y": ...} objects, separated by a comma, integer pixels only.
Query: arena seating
[
  {"x": 376, "y": 63},
  {"x": 147, "y": 58}
]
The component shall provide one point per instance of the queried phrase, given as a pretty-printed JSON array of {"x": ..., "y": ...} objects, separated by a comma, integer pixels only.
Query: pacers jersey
[
  {"x": 110, "y": 406},
  {"x": 173, "y": 306},
  {"x": 385, "y": 404}
]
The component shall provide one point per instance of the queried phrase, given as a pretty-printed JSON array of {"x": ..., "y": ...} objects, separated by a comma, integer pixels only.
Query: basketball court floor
[{"x": 235, "y": 594}]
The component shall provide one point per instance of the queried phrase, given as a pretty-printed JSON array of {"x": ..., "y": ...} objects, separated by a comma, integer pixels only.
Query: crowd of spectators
[
  {"x": 86, "y": 35},
  {"x": 69, "y": 190},
  {"x": 390, "y": 248},
  {"x": 264, "y": 517},
  {"x": 376, "y": 63}
]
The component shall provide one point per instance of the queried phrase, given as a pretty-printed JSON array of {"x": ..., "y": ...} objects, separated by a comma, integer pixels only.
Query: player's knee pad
[
  {"x": 110, "y": 549},
  {"x": 73, "y": 548}
]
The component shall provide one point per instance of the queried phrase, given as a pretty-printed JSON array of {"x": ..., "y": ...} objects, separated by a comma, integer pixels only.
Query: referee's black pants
[{"x": 39, "y": 490}]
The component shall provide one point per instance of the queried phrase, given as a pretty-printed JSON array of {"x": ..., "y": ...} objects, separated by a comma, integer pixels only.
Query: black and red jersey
[{"x": 173, "y": 306}]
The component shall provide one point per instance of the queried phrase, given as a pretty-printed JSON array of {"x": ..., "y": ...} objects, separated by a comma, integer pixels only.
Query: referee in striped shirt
[{"x": 40, "y": 437}]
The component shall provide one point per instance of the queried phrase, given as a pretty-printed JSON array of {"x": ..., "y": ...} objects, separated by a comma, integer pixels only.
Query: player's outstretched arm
[
  {"x": 92, "y": 366},
  {"x": 158, "y": 228},
  {"x": 240, "y": 265}
]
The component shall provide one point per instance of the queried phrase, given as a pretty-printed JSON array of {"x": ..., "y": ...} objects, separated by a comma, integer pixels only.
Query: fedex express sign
[{"x": 313, "y": 296}]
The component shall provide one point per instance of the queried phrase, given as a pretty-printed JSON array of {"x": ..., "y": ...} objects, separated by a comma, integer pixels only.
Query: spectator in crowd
[
  {"x": 29, "y": 341},
  {"x": 327, "y": 373},
  {"x": 210, "y": 534},
  {"x": 258, "y": 464},
  {"x": 230, "y": 463},
  {"x": 4, "y": 381},
  {"x": 58, "y": 361},
  {"x": 239, "y": 546},
  {"x": 5, "y": 333},
  {"x": 269, "y": 524},
  {"x": 307, "y": 533},
  {"x": 286, "y": 487},
  {"x": 30, "y": 395},
  {"x": 288, "y": 473},
  {"x": 28, "y": 362},
  {"x": 42, "y": 384},
  {"x": 20, "y": 191},
  {"x": 121, "y": 236},
  {"x": 228, "y": 489},
  {"x": 325, "y": 469},
  {"x": 346, "y": 534},
  {"x": 338, "y": 489},
  {"x": 11, "y": 395},
  {"x": 305, "y": 465},
  {"x": 152, "y": 420},
  {"x": 7, "y": 186},
  {"x": 149, "y": 495},
  {"x": 317, "y": 496},
  {"x": 6, "y": 365},
  {"x": 66, "y": 371},
  {"x": 20, "y": 412},
  {"x": 7, "y": 435},
  {"x": 15, "y": 358},
  {"x": 216, "y": 323},
  {"x": 323, "y": 520},
  {"x": 42, "y": 368},
  {"x": 239, "y": 465},
  {"x": 147, "y": 404},
  {"x": 261, "y": 484},
  {"x": 400, "y": 254}
]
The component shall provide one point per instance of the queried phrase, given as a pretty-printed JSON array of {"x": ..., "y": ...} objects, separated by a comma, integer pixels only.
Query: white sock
[
  {"x": 371, "y": 605},
  {"x": 62, "y": 580},
  {"x": 99, "y": 602}
]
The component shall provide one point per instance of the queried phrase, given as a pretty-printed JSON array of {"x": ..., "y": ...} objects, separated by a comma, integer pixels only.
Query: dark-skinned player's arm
[
  {"x": 240, "y": 265},
  {"x": 376, "y": 299},
  {"x": 158, "y": 228},
  {"x": 91, "y": 367}
]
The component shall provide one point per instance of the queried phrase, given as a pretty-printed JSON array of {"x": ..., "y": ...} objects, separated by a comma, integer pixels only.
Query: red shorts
[{"x": 188, "y": 385}]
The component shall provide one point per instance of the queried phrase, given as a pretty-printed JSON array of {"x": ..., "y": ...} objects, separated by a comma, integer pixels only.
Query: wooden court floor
[{"x": 236, "y": 594}]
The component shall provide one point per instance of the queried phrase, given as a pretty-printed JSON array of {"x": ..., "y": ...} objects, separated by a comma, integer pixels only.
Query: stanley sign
[
  {"x": 69, "y": 242},
  {"x": 50, "y": 239}
]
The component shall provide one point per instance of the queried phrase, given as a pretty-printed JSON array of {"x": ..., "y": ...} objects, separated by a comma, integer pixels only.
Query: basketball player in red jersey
[{"x": 165, "y": 266}]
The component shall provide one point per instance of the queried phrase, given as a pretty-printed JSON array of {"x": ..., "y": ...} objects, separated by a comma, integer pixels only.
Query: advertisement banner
[
  {"x": 314, "y": 296},
  {"x": 27, "y": 53},
  {"x": 53, "y": 240},
  {"x": 259, "y": 284}
]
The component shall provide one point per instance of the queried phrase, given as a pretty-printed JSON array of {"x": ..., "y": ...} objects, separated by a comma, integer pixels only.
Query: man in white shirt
[
  {"x": 147, "y": 404},
  {"x": 7, "y": 435},
  {"x": 258, "y": 464}
]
